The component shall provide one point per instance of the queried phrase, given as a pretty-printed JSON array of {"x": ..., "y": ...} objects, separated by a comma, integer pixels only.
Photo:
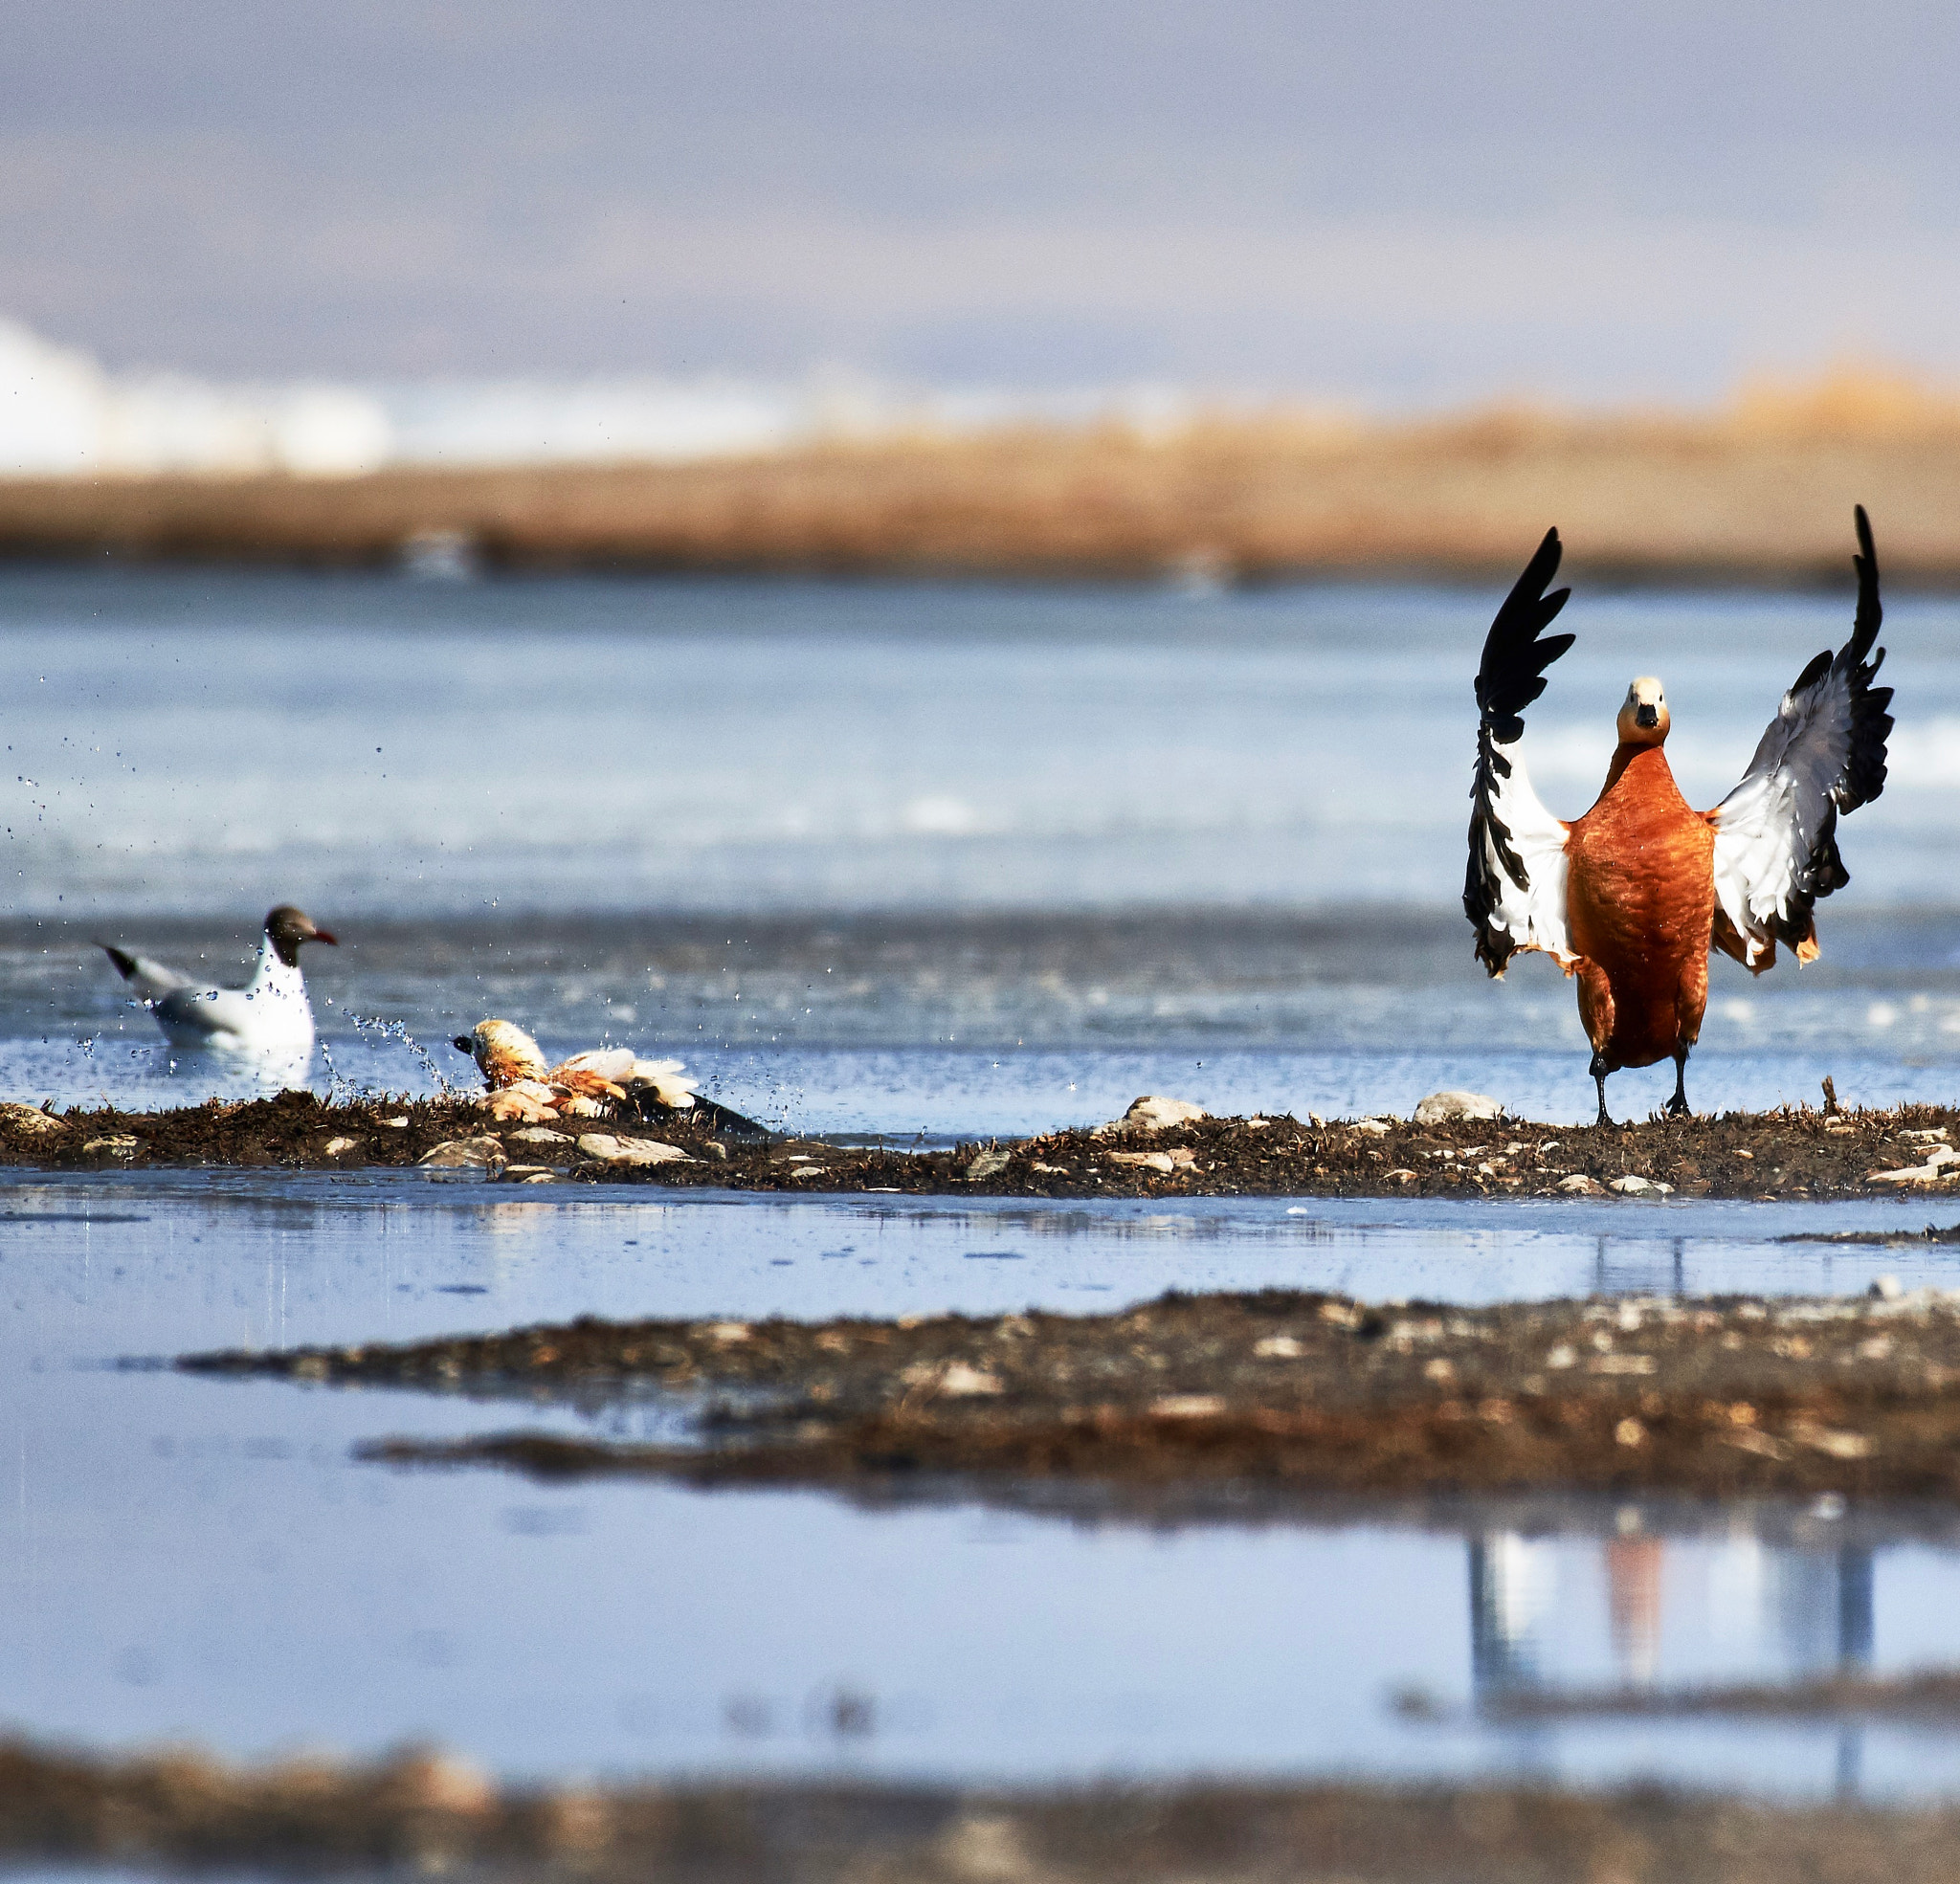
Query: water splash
[
  {"x": 398, "y": 1033},
  {"x": 338, "y": 1085}
]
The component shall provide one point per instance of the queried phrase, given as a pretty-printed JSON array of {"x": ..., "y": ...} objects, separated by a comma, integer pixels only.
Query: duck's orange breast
[{"x": 1640, "y": 900}]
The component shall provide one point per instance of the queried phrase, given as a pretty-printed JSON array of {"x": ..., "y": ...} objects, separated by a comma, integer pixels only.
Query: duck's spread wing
[
  {"x": 1514, "y": 891},
  {"x": 1823, "y": 754}
]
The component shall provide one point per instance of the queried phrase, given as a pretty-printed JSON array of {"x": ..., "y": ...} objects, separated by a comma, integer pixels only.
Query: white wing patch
[
  {"x": 1522, "y": 850},
  {"x": 1823, "y": 754}
]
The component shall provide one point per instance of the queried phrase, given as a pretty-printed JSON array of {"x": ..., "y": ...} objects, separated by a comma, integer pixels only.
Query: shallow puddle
[{"x": 188, "y": 1559}]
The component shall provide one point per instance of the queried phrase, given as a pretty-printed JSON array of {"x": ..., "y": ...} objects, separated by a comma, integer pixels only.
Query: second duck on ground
[{"x": 598, "y": 1083}]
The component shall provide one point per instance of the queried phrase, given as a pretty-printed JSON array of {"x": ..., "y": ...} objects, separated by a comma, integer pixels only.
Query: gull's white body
[{"x": 269, "y": 1015}]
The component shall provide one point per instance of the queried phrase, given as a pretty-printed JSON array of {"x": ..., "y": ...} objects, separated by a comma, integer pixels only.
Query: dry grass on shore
[{"x": 1761, "y": 490}]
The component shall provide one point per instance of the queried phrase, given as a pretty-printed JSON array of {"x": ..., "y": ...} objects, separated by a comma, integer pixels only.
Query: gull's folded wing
[
  {"x": 1824, "y": 753},
  {"x": 1514, "y": 891}
]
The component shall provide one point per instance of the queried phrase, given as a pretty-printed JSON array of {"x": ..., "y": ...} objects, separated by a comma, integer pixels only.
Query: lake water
[
  {"x": 905, "y": 858},
  {"x": 188, "y": 1557},
  {"x": 922, "y": 862}
]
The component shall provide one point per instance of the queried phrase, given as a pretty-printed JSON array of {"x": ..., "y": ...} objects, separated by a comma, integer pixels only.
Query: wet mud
[
  {"x": 421, "y": 1813},
  {"x": 1294, "y": 1393},
  {"x": 1927, "y": 1698},
  {"x": 1911, "y": 1151}
]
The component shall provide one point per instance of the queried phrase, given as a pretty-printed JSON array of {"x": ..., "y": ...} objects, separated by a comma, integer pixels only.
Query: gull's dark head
[{"x": 288, "y": 927}]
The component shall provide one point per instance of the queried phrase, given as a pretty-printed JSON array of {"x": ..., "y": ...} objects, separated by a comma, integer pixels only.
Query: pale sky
[{"x": 1390, "y": 203}]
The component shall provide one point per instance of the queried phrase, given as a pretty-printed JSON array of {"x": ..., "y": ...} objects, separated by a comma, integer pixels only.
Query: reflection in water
[{"x": 1748, "y": 1609}]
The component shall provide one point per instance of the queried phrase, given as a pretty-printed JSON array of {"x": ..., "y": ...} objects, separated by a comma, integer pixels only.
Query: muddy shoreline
[
  {"x": 1911, "y": 1151},
  {"x": 1293, "y": 1394},
  {"x": 420, "y": 1813}
]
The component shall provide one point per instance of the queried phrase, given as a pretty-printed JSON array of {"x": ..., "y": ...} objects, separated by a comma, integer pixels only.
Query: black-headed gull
[
  {"x": 270, "y": 1014},
  {"x": 523, "y": 1086}
]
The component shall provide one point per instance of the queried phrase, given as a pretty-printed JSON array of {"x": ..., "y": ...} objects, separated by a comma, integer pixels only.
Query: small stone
[
  {"x": 989, "y": 1163},
  {"x": 335, "y": 1147},
  {"x": 1441, "y": 1368},
  {"x": 1832, "y": 1444},
  {"x": 394, "y": 1124},
  {"x": 119, "y": 1144},
  {"x": 464, "y": 1154},
  {"x": 439, "y": 1782},
  {"x": 1278, "y": 1347},
  {"x": 1561, "y": 1355},
  {"x": 726, "y": 1333},
  {"x": 1373, "y": 1128},
  {"x": 1630, "y": 1432},
  {"x": 960, "y": 1381},
  {"x": 1638, "y": 1187},
  {"x": 1188, "y": 1406},
  {"x": 1439, "y": 1106},
  {"x": 1578, "y": 1184},
  {"x": 1942, "y": 1163},
  {"x": 1152, "y": 1114},
  {"x": 715, "y": 1148},
  {"x": 1050, "y": 1170},
  {"x": 539, "y": 1135},
  {"x": 1150, "y": 1160},
  {"x": 609, "y": 1150},
  {"x": 1398, "y": 1177},
  {"x": 29, "y": 1119}
]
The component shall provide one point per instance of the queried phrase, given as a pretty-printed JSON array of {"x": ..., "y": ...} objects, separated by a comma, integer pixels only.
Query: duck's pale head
[
  {"x": 503, "y": 1052},
  {"x": 1644, "y": 716}
]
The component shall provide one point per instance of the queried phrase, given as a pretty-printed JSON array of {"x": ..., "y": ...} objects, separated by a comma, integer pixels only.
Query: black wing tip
[
  {"x": 125, "y": 963},
  {"x": 1516, "y": 651}
]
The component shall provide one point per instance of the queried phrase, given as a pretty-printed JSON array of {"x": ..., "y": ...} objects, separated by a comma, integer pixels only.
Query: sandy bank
[{"x": 1725, "y": 498}]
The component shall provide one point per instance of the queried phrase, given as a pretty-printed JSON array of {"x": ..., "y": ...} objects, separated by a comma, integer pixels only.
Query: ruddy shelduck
[
  {"x": 520, "y": 1084},
  {"x": 1630, "y": 897}
]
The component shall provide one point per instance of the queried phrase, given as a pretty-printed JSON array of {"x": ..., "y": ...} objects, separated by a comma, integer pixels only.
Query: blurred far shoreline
[{"x": 846, "y": 478}]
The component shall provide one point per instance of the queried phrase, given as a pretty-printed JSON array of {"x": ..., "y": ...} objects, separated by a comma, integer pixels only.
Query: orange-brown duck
[{"x": 1630, "y": 897}]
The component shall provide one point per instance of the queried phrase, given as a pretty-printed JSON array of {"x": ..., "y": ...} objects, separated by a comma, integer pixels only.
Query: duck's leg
[
  {"x": 1595, "y": 1017},
  {"x": 1678, "y": 1106}
]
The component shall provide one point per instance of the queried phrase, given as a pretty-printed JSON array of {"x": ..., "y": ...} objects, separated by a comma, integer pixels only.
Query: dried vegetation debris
[
  {"x": 1307, "y": 1392},
  {"x": 420, "y": 1813},
  {"x": 1786, "y": 1154}
]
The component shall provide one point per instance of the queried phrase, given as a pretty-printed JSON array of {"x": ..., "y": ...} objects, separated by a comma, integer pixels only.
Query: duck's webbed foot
[
  {"x": 1678, "y": 1106},
  {"x": 1599, "y": 1070}
]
